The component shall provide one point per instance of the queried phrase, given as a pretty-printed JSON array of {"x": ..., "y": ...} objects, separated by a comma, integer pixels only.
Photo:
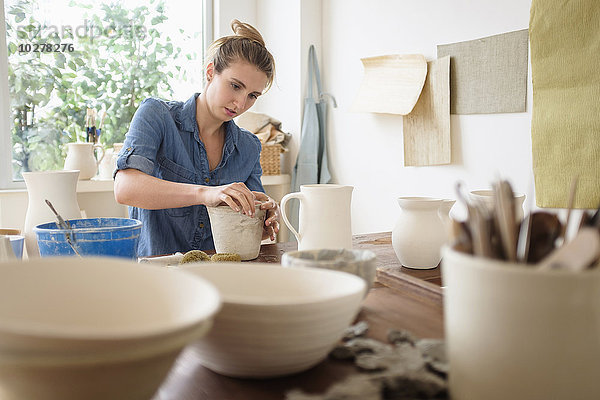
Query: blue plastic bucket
[{"x": 113, "y": 237}]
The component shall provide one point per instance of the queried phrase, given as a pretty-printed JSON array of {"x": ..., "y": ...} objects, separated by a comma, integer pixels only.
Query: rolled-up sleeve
[{"x": 143, "y": 138}]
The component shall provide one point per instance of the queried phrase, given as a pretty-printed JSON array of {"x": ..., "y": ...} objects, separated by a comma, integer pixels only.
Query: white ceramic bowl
[
  {"x": 99, "y": 328},
  {"x": 234, "y": 232},
  {"x": 361, "y": 263},
  {"x": 275, "y": 321}
]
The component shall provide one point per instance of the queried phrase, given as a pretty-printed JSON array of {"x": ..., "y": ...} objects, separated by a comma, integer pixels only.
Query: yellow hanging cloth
[{"x": 564, "y": 39}]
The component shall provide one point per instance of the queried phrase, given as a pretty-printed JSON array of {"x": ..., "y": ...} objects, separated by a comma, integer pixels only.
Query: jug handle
[
  {"x": 284, "y": 200},
  {"x": 101, "y": 149}
]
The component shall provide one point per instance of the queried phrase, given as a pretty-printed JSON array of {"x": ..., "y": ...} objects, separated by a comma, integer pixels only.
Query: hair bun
[{"x": 247, "y": 31}]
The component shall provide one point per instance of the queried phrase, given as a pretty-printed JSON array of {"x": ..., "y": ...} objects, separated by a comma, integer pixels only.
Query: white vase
[
  {"x": 58, "y": 187},
  {"x": 81, "y": 156},
  {"x": 419, "y": 232}
]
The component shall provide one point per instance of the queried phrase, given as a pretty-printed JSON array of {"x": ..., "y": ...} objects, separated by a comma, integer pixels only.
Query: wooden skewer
[
  {"x": 505, "y": 218},
  {"x": 524, "y": 238},
  {"x": 572, "y": 192},
  {"x": 478, "y": 224}
]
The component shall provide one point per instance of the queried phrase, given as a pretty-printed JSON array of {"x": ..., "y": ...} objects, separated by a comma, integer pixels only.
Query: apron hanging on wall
[{"x": 311, "y": 164}]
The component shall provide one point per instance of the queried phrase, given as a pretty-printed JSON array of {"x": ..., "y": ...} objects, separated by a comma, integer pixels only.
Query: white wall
[
  {"x": 289, "y": 27},
  {"x": 366, "y": 150},
  {"x": 227, "y": 10}
]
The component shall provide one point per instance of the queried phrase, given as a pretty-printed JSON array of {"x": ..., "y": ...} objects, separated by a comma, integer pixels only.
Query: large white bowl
[
  {"x": 275, "y": 321},
  {"x": 98, "y": 328}
]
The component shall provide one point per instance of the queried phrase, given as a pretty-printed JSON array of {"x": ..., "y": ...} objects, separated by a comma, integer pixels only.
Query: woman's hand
[
  {"x": 271, "y": 226},
  {"x": 235, "y": 195}
]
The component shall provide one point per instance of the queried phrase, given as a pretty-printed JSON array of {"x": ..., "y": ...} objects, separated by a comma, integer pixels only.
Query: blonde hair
[{"x": 246, "y": 44}]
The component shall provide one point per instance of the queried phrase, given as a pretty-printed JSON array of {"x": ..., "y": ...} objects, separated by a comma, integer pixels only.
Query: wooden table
[{"x": 400, "y": 299}]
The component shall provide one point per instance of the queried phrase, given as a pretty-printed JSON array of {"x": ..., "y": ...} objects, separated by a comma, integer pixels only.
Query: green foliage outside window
[{"x": 121, "y": 58}]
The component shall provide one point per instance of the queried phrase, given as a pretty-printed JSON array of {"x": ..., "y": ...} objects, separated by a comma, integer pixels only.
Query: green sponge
[
  {"x": 226, "y": 257},
  {"x": 194, "y": 256}
]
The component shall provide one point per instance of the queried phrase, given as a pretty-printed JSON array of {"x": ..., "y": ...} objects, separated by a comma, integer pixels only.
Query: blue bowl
[{"x": 113, "y": 237}]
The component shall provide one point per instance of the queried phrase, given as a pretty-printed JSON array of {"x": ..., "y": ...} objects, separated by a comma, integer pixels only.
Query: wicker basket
[{"x": 270, "y": 159}]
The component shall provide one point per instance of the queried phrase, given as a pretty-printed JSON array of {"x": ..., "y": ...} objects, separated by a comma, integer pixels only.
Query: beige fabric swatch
[
  {"x": 565, "y": 124},
  {"x": 488, "y": 75},
  {"x": 391, "y": 84},
  {"x": 427, "y": 127}
]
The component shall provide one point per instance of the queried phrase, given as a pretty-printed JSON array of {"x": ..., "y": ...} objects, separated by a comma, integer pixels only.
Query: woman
[{"x": 179, "y": 157}]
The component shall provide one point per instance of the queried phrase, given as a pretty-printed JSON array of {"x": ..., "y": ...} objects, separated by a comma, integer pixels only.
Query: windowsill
[
  {"x": 83, "y": 186},
  {"x": 95, "y": 185},
  {"x": 107, "y": 185}
]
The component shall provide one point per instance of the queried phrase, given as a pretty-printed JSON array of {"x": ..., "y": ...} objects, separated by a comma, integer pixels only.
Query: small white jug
[
  {"x": 421, "y": 230},
  {"x": 81, "y": 156},
  {"x": 487, "y": 198},
  {"x": 324, "y": 216}
]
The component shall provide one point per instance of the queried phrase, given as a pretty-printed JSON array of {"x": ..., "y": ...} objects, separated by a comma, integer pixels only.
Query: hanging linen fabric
[{"x": 311, "y": 163}]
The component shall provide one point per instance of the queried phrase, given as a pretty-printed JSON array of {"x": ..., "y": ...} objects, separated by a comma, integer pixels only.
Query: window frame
[
  {"x": 6, "y": 181},
  {"x": 6, "y": 175}
]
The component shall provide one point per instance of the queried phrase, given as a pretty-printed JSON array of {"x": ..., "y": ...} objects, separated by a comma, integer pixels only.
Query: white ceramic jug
[
  {"x": 81, "y": 156},
  {"x": 487, "y": 198},
  {"x": 58, "y": 187},
  {"x": 324, "y": 216},
  {"x": 421, "y": 231},
  {"x": 108, "y": 164},
  {"x": 106, "y": 167}
]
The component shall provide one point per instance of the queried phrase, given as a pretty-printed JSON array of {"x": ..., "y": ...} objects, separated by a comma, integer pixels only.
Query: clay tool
[
  {"x": 63, "y": 225},
  {"x": 572, "y": 192},
  {"x": 576, "y": 255},
  {"x": 478, "y": 224},
  {"x": 525, "y": 228},
  {"x": 505, "y": 215}
]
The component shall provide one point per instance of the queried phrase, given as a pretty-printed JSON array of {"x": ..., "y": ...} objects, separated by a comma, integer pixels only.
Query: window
[{"x": 69, "y": 64}]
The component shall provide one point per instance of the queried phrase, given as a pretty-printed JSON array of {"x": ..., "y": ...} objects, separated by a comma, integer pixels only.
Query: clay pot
[{"x": 234, "y": 232}]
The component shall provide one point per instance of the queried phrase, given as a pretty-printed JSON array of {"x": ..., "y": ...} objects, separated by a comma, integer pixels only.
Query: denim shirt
[{"x": 163, "y": 141}]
